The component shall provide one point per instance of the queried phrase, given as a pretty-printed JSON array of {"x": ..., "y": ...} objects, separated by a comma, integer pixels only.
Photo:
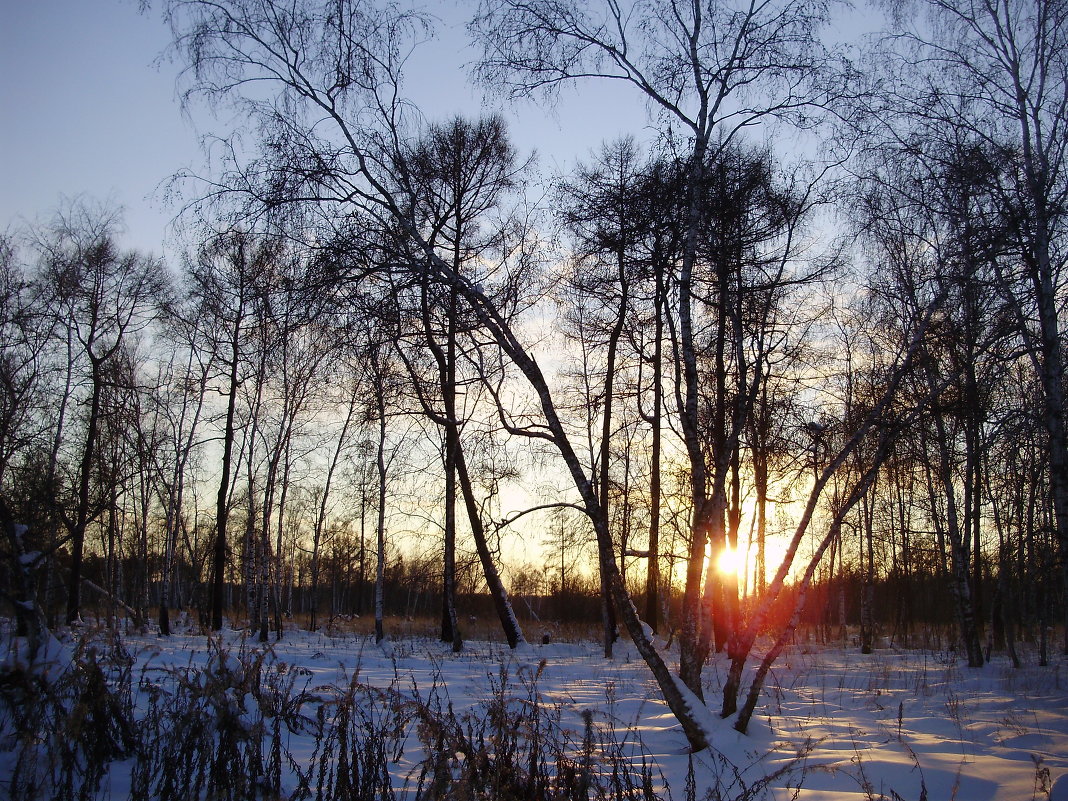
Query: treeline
[
  {"x": 844, "y": 370},
  {"x": 411, "y": 592}
]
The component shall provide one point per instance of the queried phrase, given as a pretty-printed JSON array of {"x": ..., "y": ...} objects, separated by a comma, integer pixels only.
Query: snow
[
  {"x": 52, "y": 658},
  {"x": 833, "y": 725},
  {"x": 1059, "y": 791}
]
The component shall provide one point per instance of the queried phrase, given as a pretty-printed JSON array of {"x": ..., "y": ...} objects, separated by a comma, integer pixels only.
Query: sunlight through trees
[{"x": 791, "y": 366}]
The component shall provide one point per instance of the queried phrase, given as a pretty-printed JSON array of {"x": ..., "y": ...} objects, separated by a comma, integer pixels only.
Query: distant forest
[{"x": 797, "y": 360}]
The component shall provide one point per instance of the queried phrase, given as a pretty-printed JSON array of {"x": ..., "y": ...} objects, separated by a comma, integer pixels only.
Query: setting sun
[
  {"x": 739, "y": 561},
  {"x": 730, "y": 561}
]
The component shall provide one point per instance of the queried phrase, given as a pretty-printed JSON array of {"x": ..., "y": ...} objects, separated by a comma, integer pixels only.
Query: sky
[
  {"x": 86, "y": 112},
  {"x": 90, "y": 108}
]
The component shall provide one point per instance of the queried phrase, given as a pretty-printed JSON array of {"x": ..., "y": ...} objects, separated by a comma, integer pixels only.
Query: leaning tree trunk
[
  {"x": 742, "y": 647},
  {"x": 681, "y": 699},
  {"x": 501, "y": 602},
  {"x": 687, "y": 706}
]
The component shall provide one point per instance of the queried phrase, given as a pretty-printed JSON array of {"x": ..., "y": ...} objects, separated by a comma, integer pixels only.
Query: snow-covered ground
[{"x": 833, "y": 724}]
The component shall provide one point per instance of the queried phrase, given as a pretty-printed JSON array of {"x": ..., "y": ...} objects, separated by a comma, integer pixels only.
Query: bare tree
[
  {"x": 715, "y": 71},
  {"x": 224, "y": 283},
  {"x": 460, "y": 172},
  {"x": 24, "y": 340},
  {"x": 23, "y": 345},
  {"x": 352, "y": 406},
  {"x": 348, "y": 77},
  {"x": 951, "y": 210},
  {"x": 382, "y": 380},
  {"x": 603, "y": 213},
  {"x": 182, "y": 389},
  {"x": 993, "y": 73},
  {"x": 103, "y": 297}
]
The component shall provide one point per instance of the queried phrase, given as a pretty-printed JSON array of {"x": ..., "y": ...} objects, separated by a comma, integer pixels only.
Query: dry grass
[{"x": 226, "y": 729}]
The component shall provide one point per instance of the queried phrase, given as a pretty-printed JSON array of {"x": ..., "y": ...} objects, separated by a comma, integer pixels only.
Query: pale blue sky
[{"x": 86, "y": 110}]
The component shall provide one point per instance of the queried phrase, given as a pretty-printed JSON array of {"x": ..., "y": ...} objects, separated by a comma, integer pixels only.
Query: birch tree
[
  {"x": 223, "y": 282},
  {"x": 344, "y": 77},
  {"x": 995, "y": 74},
  {"x": 104, "y": 297},
  {"x": 713, "y": 71}
]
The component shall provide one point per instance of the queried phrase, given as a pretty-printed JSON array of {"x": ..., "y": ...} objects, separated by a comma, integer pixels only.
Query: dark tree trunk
[
  {"x": 30, "y": 619},
  {"x": 652, "y": 576},
  {"x": 380, "y": 460},
  {"x": 501, "y": 603},
  {"x": 82, "y": 513},
  {"x": 222, "y": 504},
  {"x": 867, "y": 561}
]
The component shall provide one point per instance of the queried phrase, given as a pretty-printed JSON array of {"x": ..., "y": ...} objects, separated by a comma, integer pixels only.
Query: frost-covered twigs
[
  {"x": 240, "y": 722},
  {"x": 224, "y": 730},
  {"x": 360, "y": 734}
]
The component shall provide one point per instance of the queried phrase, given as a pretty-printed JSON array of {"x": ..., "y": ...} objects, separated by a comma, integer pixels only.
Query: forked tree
[
  {"x": 460, "y": 174},
  {"x": 103, "y": 297},
  {"x": 711, "y": 72},
  {"x": 335, "y": 125}
]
